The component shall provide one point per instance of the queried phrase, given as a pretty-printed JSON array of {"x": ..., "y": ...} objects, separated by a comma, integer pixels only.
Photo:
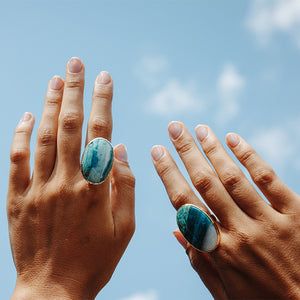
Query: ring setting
[
  {"x": 97, "y": 160},
  {"x": 198, "y": 228}
]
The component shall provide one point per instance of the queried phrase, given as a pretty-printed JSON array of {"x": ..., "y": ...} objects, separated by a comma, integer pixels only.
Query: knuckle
[
  {"x": 246, "y": 156},
  {"x": 129, "y": 180},
  {"x": 103, "y": 92},
  {"x": 46, "y": 136},
  {"x": 74, "y": 82},
  {"x": 72, "y": 121},
  {"x": 184, "y": 148},
  {"x": 202, "y": 183},
  {"x": 231, "y": 179},
  {"x": 164, "y": 170},
  {"x": 211, "y": 149},
  {"x": 179, "y": 198},
  {"x": 13, "y": 208},
  {"x": 32, "y": 209},
  {"x": 19, "y": 155},
  {"x": 264, "y": 176},
  {"x": 53, "y": 98},
  {"x": 99, "y": 125}
]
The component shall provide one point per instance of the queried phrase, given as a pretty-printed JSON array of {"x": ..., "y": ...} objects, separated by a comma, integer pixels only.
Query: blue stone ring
[
  {"x": 97, "y": 160},
  {"x": 198, "y": 228}
]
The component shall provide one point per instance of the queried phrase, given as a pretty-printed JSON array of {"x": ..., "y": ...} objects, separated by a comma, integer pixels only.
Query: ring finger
[
  {"x": 100, "y": 121},
  {"x": 71, "y": 118}
]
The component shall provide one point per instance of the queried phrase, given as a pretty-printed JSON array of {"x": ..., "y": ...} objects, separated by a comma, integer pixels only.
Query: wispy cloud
[
  {"x": 229, "y": 85},
  {"x": 267, "y": 17},
  {"x": 278, "y": 145},
  {"x": 175, "y": 98},
  {"x": 230, "y": 82},
  {"x": 151, "y": 69},
  {"x": 150, "y": 295},
  {"x": 172, "y": 96}
]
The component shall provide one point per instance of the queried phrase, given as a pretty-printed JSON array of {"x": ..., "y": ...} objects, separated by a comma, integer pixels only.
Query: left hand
[{"x": 67, "y": 236}]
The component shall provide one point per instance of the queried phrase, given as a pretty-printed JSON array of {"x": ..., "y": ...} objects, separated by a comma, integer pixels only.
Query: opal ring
[
  {"x": 198, "y": 228},
  {"x": 97, "y": 160}
]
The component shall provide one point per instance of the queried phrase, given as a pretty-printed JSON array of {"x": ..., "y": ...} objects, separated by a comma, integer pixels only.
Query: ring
[
  {"x": 198, "y": 228},
  {"x": 97, "y": 160}
]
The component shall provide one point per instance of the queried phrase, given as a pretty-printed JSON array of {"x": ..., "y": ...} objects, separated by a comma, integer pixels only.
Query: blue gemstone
[
  {"x": 197, "y": 228},
  {"x": 97, "y": 160}
]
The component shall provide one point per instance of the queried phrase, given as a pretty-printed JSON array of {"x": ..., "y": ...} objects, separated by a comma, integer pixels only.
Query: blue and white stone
[
  {"x": 197, "y": 228},
  {"x": 97, "y": 160}
]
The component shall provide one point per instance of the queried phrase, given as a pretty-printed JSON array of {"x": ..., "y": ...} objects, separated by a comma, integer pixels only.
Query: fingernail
[
  {"x": 201, "y": 132},
  {"x": 179, "y": 237},
  {"x": 26, "y": 117},
  {"x": 75, "y": 65},
  {"x": 233, "y": 139},
  {"x": 56, "y": 83},
  {"x": 157, "y": 152},
  {"x": 175, "y": 130},
  {"x": 103, "y": 78},
  {"x": 121, "y": 153}
]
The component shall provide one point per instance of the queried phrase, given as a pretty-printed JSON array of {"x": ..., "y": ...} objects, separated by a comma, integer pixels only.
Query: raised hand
[
  {"x": 66, "y": 234},
  {"x": 258, "y": 256}
]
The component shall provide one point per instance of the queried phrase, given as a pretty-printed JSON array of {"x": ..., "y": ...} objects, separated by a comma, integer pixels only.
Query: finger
[
  {"x": 178, "y": 189},
  {"x": 122, "y": 194},
  {"x": 71, "y": 118},
  {"x": 19, "y": 175},
  {"x": 100, "y": 121},
  {"x": 231, "y": 176},
  {"x": 45, "y": 151},
  {"x": 203, "y": 177},
  {"x": 278, "y": 193},
  {"x": 205, "y": 267}
]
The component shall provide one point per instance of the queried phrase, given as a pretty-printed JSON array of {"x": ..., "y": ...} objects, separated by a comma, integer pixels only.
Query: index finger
[{"x": 178, "y": 189}]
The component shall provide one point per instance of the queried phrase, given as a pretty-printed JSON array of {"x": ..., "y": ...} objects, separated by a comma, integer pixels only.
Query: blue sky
[{"x": 233, "y": 65}]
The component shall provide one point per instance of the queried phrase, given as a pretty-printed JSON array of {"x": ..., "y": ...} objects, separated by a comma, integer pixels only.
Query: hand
[
  {"x": 258, "y": 256},
  {"x": 67, "y": 236}
]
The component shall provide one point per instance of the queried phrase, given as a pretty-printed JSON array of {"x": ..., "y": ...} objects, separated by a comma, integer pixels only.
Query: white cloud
[
  {"x": 230, "y": 82},
  {"x": 150, "y": 70},
  {"x": 171, "y": 96},
  {"x": 229, "y": 85},
  {"x": 174, "y": 98},
  {"x": 279, "y": 145},
  {"x": 274, "y": 145},
  {"x": 269, "y": 16},
  {"x": 151, "y": 295}
]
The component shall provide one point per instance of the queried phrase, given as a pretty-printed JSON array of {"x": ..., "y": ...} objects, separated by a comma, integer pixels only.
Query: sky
[{"x": 233, "y": 65}]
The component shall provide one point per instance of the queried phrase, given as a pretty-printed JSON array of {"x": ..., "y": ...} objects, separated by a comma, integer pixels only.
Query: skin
[
  {"x": 258, "y": 256},
  {"x": 67, "y": 236}
]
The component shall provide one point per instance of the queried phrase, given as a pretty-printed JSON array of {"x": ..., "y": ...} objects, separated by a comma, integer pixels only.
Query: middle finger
[
  {"x": 203, "y": 177},
  {"x": 71, "y": 118}
]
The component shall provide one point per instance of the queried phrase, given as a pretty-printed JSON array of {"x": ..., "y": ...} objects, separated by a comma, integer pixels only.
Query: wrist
[{"x": 47, "y": 290}]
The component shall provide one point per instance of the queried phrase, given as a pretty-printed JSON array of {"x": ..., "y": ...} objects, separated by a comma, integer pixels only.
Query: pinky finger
[
  {"x": 19, "y": 175},
  {"x": 122, "y": 194},
  {"x": 276, "y": 191}
]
